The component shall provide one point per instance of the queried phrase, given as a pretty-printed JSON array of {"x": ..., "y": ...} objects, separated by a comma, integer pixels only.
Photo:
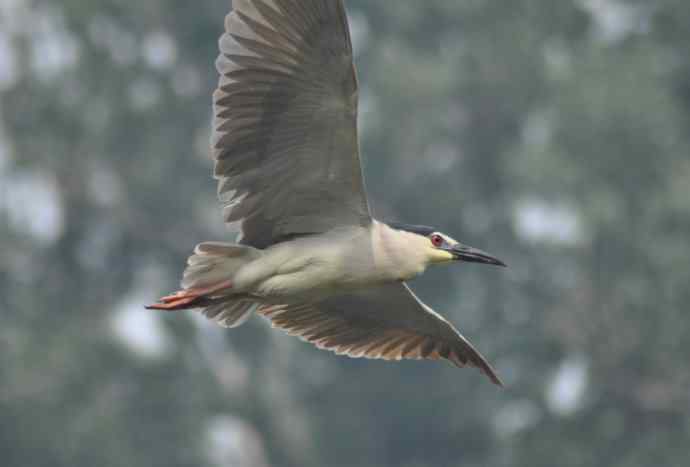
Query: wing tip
[
  {"x": 488, "y": 370},
  {"x": 495, "y": 379},
  {"x": 478, "y": 362}
]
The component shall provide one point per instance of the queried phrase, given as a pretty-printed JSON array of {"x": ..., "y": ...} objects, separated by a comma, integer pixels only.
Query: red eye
[{"x": 436, "y": 240}]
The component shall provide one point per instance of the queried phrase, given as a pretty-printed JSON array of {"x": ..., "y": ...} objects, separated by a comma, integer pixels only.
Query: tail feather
[
  {"x": 207, "y": 283},
  {"x": 230, "y": 314},
  {"x": 213, "y": 262}
]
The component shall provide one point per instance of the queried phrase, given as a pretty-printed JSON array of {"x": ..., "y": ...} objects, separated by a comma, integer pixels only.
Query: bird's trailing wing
[
  {"x": 285, "y": 134},
  {"x": 387, "y": 322}
]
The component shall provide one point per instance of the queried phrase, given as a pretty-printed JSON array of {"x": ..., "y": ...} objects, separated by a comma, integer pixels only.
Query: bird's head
[{"x": 440, "y": 248}]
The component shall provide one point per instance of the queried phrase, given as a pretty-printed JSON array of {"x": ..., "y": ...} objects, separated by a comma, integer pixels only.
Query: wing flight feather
[
  {"x": 387, "y": 322},
  {"x": 285, "y": 132}
]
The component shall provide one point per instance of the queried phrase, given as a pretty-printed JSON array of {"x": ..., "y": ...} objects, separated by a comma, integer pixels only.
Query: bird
[{"x": 309, "y": 255}]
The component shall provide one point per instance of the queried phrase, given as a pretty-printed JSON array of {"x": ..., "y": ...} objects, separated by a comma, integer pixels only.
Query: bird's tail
[{"x": 207, "y": 283}]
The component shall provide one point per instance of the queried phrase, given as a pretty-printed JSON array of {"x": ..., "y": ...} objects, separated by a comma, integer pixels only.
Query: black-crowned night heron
[{"x": 310, "y": 257}]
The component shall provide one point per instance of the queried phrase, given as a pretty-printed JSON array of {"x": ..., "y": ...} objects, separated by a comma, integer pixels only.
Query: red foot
[
  {"x": 180, "y": 304},
  {"x": 186, "y": 298}
]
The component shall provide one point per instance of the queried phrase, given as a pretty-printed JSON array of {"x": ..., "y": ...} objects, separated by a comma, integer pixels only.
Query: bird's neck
[{"x": 400, "y": 254}]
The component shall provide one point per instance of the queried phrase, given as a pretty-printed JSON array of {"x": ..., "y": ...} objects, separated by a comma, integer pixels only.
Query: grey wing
[
  {"x": 285, "y": 132},
  {"x": 387, "y": 322}
]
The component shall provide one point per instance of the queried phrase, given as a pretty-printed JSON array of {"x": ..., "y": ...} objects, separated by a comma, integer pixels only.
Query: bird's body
[
  {"x": 343, "y": 259},
  {"x": 310, "y": 256}
]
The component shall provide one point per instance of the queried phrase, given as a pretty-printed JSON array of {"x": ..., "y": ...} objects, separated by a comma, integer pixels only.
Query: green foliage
[{"x": 552, "y": 134}]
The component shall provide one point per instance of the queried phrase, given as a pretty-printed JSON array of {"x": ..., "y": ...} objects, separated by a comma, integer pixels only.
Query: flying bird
[{"x": 309, "y": 255}]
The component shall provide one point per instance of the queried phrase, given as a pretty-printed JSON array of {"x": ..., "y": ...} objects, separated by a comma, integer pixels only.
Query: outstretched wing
[
  {"x": 387, "y": 322},
  {"x": 285, "y": 132}
]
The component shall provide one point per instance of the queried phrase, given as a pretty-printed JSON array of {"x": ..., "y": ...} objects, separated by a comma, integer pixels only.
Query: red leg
[
  {"x": 180, "y": 304},
  {"x": 184, "y": 298}
]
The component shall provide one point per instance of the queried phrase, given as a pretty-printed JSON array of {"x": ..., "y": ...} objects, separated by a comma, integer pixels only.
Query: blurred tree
[{"x": 551, "y": 133}]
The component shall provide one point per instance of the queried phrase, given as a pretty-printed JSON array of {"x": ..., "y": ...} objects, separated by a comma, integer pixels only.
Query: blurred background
[{"x": 552, "y": 134}]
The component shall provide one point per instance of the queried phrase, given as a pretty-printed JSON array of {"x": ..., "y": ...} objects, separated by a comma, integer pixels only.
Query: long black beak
[{"x": 474, "y": 255}]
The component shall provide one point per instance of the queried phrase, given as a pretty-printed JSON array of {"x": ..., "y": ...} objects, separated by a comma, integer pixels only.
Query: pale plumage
[{"x": 310, "y": 257}]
